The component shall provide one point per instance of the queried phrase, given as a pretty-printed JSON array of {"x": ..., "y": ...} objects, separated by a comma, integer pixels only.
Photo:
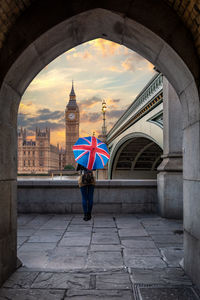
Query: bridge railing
[{"x": 149, "y": 91}]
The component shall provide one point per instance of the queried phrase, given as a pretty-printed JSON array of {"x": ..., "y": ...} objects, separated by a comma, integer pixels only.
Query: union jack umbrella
[{"x": 91, "y": 153}]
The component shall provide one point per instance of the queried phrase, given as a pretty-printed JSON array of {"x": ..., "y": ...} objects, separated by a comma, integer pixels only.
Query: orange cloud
[
  {"x": 114, "y": 69},
  {"x": 105, "y": 47},
  {"x": 150, "y": 66},
  {"x": 83, "y": 55},
  {"x": 128, "y": 64}
]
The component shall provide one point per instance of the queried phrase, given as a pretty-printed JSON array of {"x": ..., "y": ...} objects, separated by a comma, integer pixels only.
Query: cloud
[
  {"x": 106, "y": 48},
  {"x": 46, "y": 114},
  {"x": 129, "y": 64},
  {"x": 115, "y": 69},
  {"x": 115, "y": 114},
  {"x": 90, "y": 117},
  {"x": 89, "y": 103},
  {"x": 82, "y": 55},
  {"x": 43, "y": 118}
]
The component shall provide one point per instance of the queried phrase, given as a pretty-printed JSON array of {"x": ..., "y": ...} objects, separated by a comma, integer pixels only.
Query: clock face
[{"x": 71, "y": 116}]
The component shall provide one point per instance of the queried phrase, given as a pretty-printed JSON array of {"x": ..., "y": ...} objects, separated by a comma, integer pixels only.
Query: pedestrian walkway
[{"x": 109, "y": 257}]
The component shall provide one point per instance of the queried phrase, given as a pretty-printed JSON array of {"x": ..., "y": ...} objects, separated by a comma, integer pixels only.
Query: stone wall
[{"x": 111, "y": 196}]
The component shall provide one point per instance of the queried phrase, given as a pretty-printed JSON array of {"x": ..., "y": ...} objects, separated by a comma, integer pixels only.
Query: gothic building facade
[{"x": 37, "y": 156}]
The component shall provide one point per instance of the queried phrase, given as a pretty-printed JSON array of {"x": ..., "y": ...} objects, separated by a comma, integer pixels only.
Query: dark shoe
[
  {"x": 85, "y": 218},
  {"x": 89, "y": 216}
]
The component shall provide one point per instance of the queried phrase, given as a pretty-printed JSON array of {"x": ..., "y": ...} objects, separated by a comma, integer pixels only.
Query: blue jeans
[{"x": 87, "y": 192}]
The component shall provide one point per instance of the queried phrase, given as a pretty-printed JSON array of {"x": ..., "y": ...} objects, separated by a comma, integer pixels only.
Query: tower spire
[{"x": 72, "y": 95}]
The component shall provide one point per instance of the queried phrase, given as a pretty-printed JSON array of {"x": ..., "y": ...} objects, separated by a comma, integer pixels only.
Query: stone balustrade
[{"x": 110, "y": 196}]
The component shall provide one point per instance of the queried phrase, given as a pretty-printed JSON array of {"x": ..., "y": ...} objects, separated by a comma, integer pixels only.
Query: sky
[{"x": 100, "y": 70}]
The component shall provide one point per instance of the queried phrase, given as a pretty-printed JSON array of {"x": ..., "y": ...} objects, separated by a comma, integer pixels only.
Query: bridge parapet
[
  {"x": 110, "y": 196},
  {"x": 148, "y": 99}
]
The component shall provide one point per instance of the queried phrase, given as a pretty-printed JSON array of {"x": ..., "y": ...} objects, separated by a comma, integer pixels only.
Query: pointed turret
[
  {"x": 72, "y": 95},
  {"x": 72, "y": 99}
]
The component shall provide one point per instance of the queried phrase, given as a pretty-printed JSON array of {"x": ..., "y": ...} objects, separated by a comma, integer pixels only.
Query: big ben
[{"x": 72, "y": 126}]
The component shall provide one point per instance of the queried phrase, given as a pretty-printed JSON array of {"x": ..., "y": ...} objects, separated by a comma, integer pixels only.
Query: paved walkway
[{"x": 110, "y": 257}]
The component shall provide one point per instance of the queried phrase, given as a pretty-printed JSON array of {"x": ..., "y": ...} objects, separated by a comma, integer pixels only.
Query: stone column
[
  {"x": 170, "y": 178},
  {"x": 8, "y": 183}
]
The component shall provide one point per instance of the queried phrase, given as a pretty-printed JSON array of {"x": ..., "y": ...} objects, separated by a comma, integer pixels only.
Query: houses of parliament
[{"x": 38, "y": 156}]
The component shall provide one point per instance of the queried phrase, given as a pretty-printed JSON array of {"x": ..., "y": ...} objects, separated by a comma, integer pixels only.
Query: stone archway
[
  {"x": 138, "y": 158},
  {"x": 162, "y": 43},
  {"x": 119, "y": 147}
]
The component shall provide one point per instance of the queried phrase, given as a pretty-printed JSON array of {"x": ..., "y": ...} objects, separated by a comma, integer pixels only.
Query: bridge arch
[
  {"x": 147, "y": 141},
  {"x": 161, "y": 40}
]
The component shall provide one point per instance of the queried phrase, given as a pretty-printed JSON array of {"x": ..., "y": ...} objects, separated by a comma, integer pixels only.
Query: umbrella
[{"x": 91, "y": 153}]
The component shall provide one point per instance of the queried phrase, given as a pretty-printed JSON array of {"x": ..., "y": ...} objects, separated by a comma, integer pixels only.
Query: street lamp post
[
  {"x": 104, "y": 107},
  {"x": 103, "y": 173}
]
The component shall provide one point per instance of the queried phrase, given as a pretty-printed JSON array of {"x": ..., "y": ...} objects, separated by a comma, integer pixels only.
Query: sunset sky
[{"x": 101, "y": 70}]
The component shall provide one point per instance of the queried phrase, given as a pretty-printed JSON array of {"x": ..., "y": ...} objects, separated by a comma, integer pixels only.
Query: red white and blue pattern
[{"x": 91, "y": 153}]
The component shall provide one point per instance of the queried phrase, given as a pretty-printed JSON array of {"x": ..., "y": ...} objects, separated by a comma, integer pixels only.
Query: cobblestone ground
[{"x": 110, "y": 257}]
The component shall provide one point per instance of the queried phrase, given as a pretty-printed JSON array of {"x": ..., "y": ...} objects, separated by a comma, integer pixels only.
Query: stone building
[
  {"x": 62, "y": 159},
  {"x": 38, "y": 156},
  {"x": 71, "y": 126}
]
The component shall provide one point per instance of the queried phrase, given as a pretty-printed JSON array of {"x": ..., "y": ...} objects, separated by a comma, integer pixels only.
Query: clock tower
[{"x": 72, "y": 126}]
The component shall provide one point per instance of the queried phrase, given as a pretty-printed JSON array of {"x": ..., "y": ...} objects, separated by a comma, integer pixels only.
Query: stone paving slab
[
  {"x": 65, "y": 258},
  {"x": 77, "y": 234},
  {"x": 79, "y": 221},
  {"x": 38, "y": 221},
  {"x": 25, "y": 232},
  {"x": 166, "y": 293},
  {"x": 36, "y": 246},
  {"x": 132, "y": 232},
  {"x": 168, "y": 276},
  {"x": 44, "y": 238},
  {"x": 47, "y": 280},
  {"x": 34, "y": 259},
  {"x": 100, "y": 248},
  {"x": 105, "y": 238},
  {"x": 139, "y": 244},
  {"x": 143, "y": 262},
  {"x": 129, "y": 252},
  {"x": 131, "y": 224},
  {"x": 57, "y": 223},
  {"x": 172, "y": 256},
  {"x": 104, "y": 260},
  {"x": 113, "y": 281},
  {"x": 75, "y": 241},
  {"x": 31, "y": 294},
  {"x": 171, "y": 239},
  {"x": 78, "y": 228},
  {"x": 99, "y": 295},
  {"x": 23, "y": 219},
  {"x": 21, "y": 280},
  {"x": 21, "y": 240},
  {"x": 109, "y": 230}
]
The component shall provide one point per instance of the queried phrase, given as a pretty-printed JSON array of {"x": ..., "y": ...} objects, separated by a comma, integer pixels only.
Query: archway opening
[
  {"x": 181, "y": 72},
  {"x": 137, "y": 159}
]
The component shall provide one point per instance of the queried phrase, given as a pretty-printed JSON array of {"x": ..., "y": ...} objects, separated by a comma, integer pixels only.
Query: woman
[{"x": 86, "y": 183}]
